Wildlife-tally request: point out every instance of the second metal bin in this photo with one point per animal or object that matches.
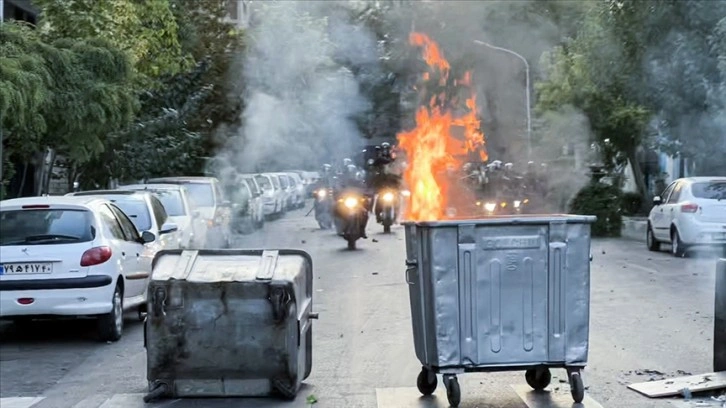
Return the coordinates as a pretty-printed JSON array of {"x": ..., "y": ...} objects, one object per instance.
[{"x": 497, "y": 294}]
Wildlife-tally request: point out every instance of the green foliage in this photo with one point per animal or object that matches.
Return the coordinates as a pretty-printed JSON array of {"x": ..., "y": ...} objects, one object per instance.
[
  {"x": 632, "y": 204},
  {"x": 603, "y": 201},
  {"x": 146, "y": 30}
]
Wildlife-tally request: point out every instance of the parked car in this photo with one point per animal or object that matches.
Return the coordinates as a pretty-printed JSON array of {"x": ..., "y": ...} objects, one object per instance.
[
  {"x": 298, "y": 189},
  {"x": 214, "y": 208},
  {"x": 237, "y": 191},
  {"x": 181, "y": 211},
  {"x": 71, "y": 256},
  {"x": 287, "y": 189},
  {"x": 146, "y": 213},
  {"x": 690, "y": 212},
  {"x": 272, "y": 196},
  {"x": 257, "y": 206}
]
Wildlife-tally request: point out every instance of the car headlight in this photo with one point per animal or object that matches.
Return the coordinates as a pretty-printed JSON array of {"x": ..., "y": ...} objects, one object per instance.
[
  {"x": 388, "y": 196},
  {"x": 490, "y": 207},
  {"x": 350, "y": 202},
  {"x": 321, "y": 193},
  {"x": 517, "y": 203}
]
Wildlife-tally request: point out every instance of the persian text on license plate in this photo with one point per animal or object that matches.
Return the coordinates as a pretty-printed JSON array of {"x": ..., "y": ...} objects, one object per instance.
[{"x": 26, "y": 268}]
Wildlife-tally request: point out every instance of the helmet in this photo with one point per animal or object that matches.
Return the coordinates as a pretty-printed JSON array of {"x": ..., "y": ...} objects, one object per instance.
[
  {"x": 351, "y": 168},
  {"x": 508, "y": 166},
  {"x": 347, "y": 162}
]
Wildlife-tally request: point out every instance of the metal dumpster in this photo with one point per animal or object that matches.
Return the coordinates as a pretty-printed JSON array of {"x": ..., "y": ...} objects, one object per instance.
[{"x": 499, "y": 294}]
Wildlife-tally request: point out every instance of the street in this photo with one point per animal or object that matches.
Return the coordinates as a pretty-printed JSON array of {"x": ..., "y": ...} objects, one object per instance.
[{"x": 649, "y": 311}]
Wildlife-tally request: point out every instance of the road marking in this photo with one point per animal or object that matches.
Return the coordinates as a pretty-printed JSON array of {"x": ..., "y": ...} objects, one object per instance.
[
  {"x": 551, "y": 399},
  {"x": 19, "y": 402}
]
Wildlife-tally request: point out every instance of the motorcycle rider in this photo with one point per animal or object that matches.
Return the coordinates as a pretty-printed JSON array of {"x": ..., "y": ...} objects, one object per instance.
[{"x": 352, "y": 181}]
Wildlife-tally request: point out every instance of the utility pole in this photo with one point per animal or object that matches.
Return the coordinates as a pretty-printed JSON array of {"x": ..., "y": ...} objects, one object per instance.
[
  {"x": 2, "y": 158},
  {"x": 527, "y": 96}
]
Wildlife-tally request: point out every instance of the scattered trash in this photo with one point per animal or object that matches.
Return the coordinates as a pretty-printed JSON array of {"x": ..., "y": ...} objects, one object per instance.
[
  {"x": 303, "y": 241},
  {"x": 311, "y": 399},
  {"x": 374, "y": 273},
  {"x": 374, "y": 240}
]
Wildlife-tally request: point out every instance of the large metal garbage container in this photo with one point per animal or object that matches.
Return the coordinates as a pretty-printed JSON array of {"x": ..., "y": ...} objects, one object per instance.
[{"x": 498, "y": 294}]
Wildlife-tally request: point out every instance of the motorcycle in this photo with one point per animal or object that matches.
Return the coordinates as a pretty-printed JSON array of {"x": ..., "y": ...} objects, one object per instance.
[
  {"x": 386, "y": 208},
  {"x": 351, "y": 215},
  {"x": 323, "y": 198}
]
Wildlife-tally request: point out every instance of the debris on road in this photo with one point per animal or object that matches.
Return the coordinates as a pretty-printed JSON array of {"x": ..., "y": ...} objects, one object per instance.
[
  {"x": 311, "y": 399},
  {"x": 685, "y": 385},
  {"x": 374, "y": 240}
]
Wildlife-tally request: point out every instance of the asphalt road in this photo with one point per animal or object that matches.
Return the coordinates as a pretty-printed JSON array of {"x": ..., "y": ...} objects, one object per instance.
[{"x": 649, "y": 311}]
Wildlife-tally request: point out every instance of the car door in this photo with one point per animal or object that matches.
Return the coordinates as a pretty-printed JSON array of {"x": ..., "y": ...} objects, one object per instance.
[
  {"x": 137, "y": 278},
  {"x": 670, "y": 209},
  {"x": 120, "y": 245},
  {"x": 170, "y": 240},
  {"x": 659, "y": 218}
]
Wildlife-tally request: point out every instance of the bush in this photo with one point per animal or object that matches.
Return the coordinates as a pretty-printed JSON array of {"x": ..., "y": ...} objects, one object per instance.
[
  {"x": 603, "y": 201},
  {"x": 632, "y": 204}
]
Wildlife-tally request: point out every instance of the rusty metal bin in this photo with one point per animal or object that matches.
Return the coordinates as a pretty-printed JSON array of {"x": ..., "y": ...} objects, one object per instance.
[{"x": 500, "y": 294}]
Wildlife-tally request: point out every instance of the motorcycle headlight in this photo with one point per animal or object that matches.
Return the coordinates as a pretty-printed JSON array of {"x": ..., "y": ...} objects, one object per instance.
[
  {"x": 517, "y": 203},
  {"x": 406, "y": 193},
  {"x": 321, "y": 193},
  {"x": 350, "y": 202},
  {"x": 490, "y": 207},
  {"x": 388, "y": 196}
]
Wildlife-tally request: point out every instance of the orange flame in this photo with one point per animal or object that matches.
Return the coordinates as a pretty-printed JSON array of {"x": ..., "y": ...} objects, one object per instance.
[{"x": 432, "y": 149}]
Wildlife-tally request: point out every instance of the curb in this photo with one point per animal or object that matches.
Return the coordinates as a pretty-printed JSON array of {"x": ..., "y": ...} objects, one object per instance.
[{"x": 634, "y": 228}]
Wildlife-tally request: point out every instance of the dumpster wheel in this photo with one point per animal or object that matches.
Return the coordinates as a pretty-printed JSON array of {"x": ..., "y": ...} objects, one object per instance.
[
  {"x": 577, "y": 388},
  {"x": 453, "y": 392},
  {"x": 426, "y": 381},
  {"x": 538, "y": 378}
]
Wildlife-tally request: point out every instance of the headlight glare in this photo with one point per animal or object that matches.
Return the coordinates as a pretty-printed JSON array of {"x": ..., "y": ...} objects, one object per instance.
[
  {"x": 350, "y": 202},
  {"x": 490, "y": 207}
]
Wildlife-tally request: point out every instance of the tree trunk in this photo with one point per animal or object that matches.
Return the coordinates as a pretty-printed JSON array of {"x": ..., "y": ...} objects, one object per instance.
[
  {"x": 22, "y": 179},
  {"x": 49, "y": 173},
  {"x": 638, "y": 177}
]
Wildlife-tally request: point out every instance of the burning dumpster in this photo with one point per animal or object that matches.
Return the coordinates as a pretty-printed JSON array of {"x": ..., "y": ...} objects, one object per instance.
[{"x": 504, "y": 293}]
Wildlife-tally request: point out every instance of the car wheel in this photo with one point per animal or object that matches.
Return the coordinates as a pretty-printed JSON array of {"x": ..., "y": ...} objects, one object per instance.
[
  {"x": 678, "y": 248},
  {"x": 111, "y": 325},
  {"x": 653, "y": 244}
]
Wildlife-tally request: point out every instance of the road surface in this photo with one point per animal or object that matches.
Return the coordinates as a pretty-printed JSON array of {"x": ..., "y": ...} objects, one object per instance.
[{"x": 649, "y": 311}]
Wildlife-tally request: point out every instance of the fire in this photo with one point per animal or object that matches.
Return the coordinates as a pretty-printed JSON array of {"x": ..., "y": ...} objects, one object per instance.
[{"x": 441, "y": 140}]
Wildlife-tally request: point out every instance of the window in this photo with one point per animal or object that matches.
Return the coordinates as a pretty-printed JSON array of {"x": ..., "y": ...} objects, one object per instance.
[
  {"x": 111, "y": 223},
  {"x": 45, "y": 226},
  {"x": 676, "y": 193},
  {"x": 283, "y": 182},
  {"x": 253, "y": 186},
  {"x": 201, "y": 193},
  {"x": 159, "y": 211},
  {"x": 714, "y": 190},
  {"x": 275, "y": 182},
  {"x": 667, "y": 192},
  {"x": 172, "y": 202},
  {"x": 136, "y": 209},
  {"x": 126, "y": 225},
  {"x": 264, "y": 182}
]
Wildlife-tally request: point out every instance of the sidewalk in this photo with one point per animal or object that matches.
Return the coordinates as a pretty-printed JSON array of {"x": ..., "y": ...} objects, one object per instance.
[{"x": 634, "y": 228}]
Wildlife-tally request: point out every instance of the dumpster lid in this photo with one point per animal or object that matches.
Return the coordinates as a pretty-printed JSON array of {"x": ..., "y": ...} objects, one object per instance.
[{"x": 522, "y": 219}]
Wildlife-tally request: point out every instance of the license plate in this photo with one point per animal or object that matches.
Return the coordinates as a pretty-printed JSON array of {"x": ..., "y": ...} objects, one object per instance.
[{"x": 26, "y": 268}]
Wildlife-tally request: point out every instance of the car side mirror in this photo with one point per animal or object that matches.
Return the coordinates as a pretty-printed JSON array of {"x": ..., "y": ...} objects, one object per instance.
[
  {"x": 657, "y": 200},
  {"x": 147, "y": 236},
  {"x": 168, "y": 227}
]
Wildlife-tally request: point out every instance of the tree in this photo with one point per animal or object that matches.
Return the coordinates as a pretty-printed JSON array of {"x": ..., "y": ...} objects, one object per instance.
[{"x": 146, "y": 30}]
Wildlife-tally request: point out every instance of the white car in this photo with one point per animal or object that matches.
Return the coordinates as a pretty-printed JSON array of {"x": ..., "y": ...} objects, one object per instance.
[
  {"x": 690, "y": 212},
  {"x": 272, "y": 196},
  {"x": 256, "y": 205},
  {"x": 298, "y": 189},
  {"x": 287, "y": 190},
  {"x": 71, "y": 256},
  {"x": 181, "y": 211},
  {"x": 145, "y": 211}
]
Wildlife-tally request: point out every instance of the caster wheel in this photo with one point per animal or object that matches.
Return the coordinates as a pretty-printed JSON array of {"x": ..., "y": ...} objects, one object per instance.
[
  {"x": 577, "y": 388},
  {"x": 426, "y": 382},
  {"x": 538, "y": 378},
  {"x": 453, "y": 392}
]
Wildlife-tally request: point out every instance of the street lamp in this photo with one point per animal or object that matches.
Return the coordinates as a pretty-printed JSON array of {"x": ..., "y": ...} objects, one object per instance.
[{"x": 526, "y": 67}]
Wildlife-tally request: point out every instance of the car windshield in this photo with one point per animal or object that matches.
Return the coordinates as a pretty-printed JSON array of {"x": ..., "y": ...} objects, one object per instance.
[
  {"x": 264, "y": 182},
  {"x": 714, "y": 190},
  {"x": 251, "y": 183},
  {"x": 172, "y": 202},
  {"x": 136, "y": 209},
  {"x": 201, "y": 193},
  {"x": 45, "y": 226}
]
